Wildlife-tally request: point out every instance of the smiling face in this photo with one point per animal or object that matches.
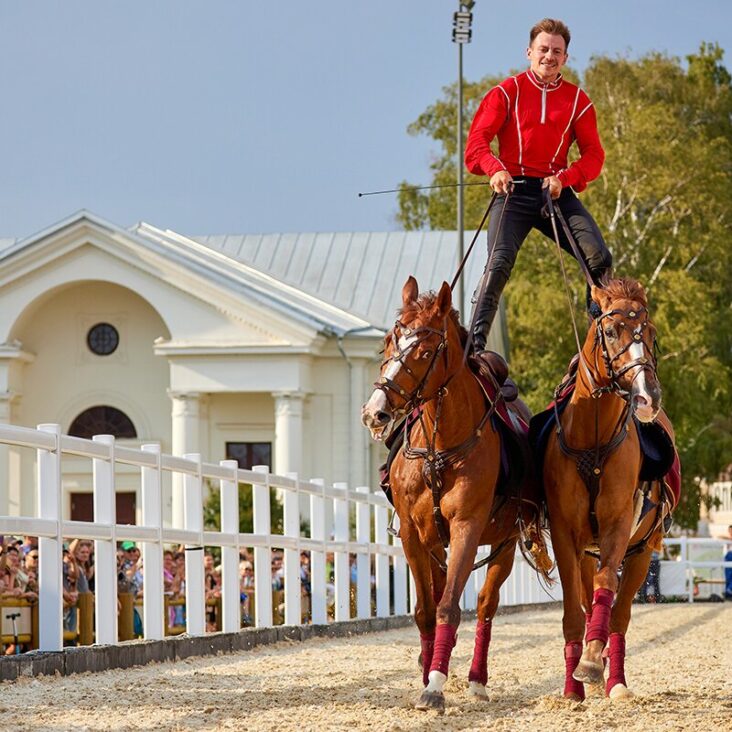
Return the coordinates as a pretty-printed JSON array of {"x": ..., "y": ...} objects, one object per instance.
[{"x": 547, "y": 55}]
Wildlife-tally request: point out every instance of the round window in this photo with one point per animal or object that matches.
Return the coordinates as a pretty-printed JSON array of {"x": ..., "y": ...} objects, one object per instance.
[{"x": 102, "y": 339}]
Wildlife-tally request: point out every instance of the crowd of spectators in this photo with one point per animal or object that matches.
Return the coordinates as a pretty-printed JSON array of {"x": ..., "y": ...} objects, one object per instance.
[{"x": 19, "y": 580}]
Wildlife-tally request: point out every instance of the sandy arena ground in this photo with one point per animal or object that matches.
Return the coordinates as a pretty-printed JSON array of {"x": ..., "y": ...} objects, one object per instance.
[{"x": 679, "y": 665}]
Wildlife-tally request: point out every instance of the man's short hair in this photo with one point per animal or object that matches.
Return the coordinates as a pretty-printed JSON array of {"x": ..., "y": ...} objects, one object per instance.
[{"x": 552, "y": 26}]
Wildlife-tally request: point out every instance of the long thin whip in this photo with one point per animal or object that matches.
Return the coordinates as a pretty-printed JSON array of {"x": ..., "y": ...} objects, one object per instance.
[{"x": 423, "y": 188}]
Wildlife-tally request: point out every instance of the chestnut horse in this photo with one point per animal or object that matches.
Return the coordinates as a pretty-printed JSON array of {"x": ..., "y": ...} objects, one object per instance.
[
  {"x": 424, "y": 368},
  {"x": 591, "y": 477}
]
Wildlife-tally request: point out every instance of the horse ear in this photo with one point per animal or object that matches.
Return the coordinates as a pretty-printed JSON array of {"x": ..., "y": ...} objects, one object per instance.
[
  {"x": 599, "y": 300},
  {"x": 410, "y": 291},
  {"x": 444, "y": 299}
]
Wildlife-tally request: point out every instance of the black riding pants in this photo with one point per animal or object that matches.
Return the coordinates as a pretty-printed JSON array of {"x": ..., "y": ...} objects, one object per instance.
[
  {"x": 524, "y": 213},
  {"x": 521, "y": 214}
]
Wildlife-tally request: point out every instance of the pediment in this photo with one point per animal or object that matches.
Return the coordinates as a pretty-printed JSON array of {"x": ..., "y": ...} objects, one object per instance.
[{"x": 208, "y": 302}]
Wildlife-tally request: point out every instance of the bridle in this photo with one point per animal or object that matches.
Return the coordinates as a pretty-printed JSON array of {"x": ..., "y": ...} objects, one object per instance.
[
  {"x": 416, "y": 397},
  {"x": 647, "y": 362},
  {"x": 590, "y": 462},
  {"x": 435, "y": 461}
]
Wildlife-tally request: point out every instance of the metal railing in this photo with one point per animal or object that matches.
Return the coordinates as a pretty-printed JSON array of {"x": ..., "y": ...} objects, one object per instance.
[{"x": 330, "y": 512}]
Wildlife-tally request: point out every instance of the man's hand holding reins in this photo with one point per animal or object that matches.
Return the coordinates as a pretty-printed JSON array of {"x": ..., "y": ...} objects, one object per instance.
[
  {"x": 554, "y": 185},
  {"x": 502, "y": 182}
]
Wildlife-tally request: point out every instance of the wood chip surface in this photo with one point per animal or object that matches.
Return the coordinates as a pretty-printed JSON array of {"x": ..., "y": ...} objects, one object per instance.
[{"x": 679, "y": 665}]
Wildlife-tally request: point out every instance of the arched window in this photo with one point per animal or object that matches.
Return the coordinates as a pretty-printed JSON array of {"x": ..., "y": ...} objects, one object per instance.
[{"x": 102, "y": 420}]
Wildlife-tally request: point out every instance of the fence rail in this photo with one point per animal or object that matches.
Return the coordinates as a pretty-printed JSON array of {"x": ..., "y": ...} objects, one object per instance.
[{"x": 382, "y": 582}]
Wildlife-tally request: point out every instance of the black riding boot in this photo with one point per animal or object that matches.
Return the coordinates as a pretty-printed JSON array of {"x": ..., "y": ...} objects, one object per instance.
[{"x": 487, "y": 308}]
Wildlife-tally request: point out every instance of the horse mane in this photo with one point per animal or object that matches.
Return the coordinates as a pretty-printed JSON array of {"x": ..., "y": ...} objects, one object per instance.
[
  {"x": 625, "y": 289},
  {"x": 424, "y": 303}
]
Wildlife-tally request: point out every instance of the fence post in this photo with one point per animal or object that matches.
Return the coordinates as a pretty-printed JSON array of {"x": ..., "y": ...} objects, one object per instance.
[
  {"x": 230, "y": 592},
  {"x": 262, "y": 554},
  {"x": 293, "y": 592},
  {"x": 382, "y": 561},
  {"x": 193, "y": 521},
  {"x": 105, "y": 550},
  {"x": 341, "y": 558},
  {"x": 363, "y": 561},
  {"x": 318, "y": 591},
  {"x": 400, "y": 580},
  {"x": 152, "y": 551},
  {"x": 50, "y": 571},
  {"x": 684, "y": 545}
]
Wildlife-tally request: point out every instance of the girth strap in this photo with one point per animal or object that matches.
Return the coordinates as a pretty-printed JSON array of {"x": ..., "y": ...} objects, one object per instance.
[{"x": 591, "y": 461}]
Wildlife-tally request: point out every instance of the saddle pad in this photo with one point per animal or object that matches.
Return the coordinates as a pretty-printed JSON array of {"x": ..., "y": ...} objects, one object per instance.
[{"x": 660, "y": 458}]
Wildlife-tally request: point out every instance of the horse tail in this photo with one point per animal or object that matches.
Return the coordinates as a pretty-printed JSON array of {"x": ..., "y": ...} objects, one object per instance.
[{"x": 533, "y": 546}]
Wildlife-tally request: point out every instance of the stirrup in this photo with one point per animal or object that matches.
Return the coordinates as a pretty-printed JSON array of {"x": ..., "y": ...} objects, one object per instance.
[{"x": 390, "y": 528}]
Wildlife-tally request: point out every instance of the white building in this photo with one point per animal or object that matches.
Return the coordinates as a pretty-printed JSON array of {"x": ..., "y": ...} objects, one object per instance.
[{"x": 261, "y": 348}]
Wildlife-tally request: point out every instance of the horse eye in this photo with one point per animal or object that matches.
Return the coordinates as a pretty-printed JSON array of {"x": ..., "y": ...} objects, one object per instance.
[
  {"x": 426, "y": 355},
  {"x": 610, "y": 331}
]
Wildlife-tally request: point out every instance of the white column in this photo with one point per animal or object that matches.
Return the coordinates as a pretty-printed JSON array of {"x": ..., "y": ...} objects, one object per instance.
[
  {"x": 288, "y": 432},
  {"x": 359, "y": 437},
  {"x": 185, "y": 432}
]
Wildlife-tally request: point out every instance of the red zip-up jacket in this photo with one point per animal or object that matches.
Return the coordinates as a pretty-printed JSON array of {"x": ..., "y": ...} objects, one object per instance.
[{"x": 536, "y": 123}]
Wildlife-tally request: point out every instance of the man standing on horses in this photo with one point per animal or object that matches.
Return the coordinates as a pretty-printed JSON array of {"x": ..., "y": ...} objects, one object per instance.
[{"x": 536, "y": 116}]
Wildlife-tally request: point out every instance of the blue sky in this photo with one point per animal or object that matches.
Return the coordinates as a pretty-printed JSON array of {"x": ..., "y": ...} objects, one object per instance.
[{"x": 235, "y": 116}]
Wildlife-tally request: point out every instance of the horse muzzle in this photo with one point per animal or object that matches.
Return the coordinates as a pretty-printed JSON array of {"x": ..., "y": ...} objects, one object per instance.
[
  {"x": 377, "y": 417},
  {"x": 645, "y": 401}
]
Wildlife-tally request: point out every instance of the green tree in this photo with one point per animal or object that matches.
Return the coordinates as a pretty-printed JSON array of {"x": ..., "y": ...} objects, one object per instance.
[
  {"x": 664, "y": 203},
  {"x": 212, "y": 509}
]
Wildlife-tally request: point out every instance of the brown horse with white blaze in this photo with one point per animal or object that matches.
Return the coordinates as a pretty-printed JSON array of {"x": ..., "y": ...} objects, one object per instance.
[
  {"x": 451, "y": 449},
  {"x": 591, "y": 477}
]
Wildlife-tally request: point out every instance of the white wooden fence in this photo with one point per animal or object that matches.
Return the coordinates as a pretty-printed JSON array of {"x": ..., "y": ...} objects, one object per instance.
[
  {"x": 330, "y": 532},
  {"x": 699, "y": 568}
]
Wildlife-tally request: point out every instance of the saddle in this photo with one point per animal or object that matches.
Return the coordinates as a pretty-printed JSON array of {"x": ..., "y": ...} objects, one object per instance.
[
  {"x": 660, "y": 459},
  {"x": 517, "y": 476}
]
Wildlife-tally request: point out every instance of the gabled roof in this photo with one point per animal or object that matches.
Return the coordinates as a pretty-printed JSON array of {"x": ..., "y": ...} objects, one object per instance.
[
  {"x": 337, "y": 283},
  {"x": 218, "y": 268},
  {"x": 361, "y": 272}
]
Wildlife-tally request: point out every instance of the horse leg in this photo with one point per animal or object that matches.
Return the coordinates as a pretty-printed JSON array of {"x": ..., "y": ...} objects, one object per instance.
[
  {"x": 573, "y": 620},
  {"x": 463, "y": 547},
  {"x": 612, "y": 549},
  {"x": 420, "y": 563},
  {"x": 498, "y": 571},
  {"x": 634, "y": 575}
]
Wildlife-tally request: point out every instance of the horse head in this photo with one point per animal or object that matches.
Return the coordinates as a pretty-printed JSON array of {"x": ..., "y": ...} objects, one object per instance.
[
  {"x": 622, "y": 341},
  {"x": 417, "y": 362}
]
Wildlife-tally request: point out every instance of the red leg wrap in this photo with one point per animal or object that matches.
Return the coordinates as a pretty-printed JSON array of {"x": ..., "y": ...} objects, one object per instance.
[
  {"x": 599, "y": 629},
  {"x": 617, "y": 661},
  {"x": 479, "y": 667},
  {"x": 445, "y": 639},
  {"x": 572, "y": 655},
  {"x": 428, "y": 649}
]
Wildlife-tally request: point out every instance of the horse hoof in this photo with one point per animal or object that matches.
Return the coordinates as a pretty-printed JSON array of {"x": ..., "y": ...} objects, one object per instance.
[
  {"x": 588, "y": 672},
  {"x": 431, "y": 701},
  {"x": 620, "y": 691},
  {"x": 574, "y": 698},
  {"x": 477, "y": 689}
]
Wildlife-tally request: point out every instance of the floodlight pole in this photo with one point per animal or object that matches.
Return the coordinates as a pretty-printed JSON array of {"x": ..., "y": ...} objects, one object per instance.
[{"x": 461, "y": 33}]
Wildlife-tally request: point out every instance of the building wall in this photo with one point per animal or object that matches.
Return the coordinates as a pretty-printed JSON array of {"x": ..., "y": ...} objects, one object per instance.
[{"x": 65, "y": 377}]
